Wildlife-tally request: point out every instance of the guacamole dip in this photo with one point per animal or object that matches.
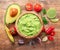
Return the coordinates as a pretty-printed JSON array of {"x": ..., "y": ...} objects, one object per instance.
[{"x": 29, "y": 24}]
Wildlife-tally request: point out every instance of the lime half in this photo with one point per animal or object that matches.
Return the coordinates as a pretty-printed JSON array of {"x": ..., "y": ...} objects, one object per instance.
[{"x": 51, "y": 13}]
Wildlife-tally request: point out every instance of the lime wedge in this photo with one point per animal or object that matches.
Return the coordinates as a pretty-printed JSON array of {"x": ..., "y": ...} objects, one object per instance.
[
  {"x": 51, "y": 13},
  {"x": 54, "y": 20}
]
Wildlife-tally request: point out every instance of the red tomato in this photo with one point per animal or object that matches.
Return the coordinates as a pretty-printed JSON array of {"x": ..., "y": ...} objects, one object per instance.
[
  {"x": 29, "y": 6},
  {"x": 13, "y": 30},
  {"x": 53, "y": 33},
  {"x": 49, "y": 30},
  {"x": 50, "y": 38},
  {"x": 37, "y": 7}
]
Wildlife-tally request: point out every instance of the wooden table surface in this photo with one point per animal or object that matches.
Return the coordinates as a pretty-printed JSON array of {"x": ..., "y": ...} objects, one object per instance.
[{"x": 5, "y": 44}]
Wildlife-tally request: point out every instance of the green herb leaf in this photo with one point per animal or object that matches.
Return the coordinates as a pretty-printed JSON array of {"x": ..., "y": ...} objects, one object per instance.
[
  {"x": 44, "y": 11},
  {"x": 44, "y": 20}
]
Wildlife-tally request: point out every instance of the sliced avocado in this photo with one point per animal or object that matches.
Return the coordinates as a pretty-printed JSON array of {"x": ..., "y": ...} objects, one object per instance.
[
  {"x": 8, "y": 18},
  {"x": 9, "y": 34}
]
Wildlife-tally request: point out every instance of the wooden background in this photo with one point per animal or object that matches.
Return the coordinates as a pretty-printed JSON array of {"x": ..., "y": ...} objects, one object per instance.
[{"x": 5, "y": 44}]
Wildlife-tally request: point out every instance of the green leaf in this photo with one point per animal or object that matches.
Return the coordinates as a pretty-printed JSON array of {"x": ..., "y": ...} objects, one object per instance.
[
  {"x": 44, "y": 20},
  {"x": 44, "y": 11}
]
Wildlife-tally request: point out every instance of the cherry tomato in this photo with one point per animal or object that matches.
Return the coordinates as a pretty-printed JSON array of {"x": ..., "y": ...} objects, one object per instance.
[
  {"x": 13, "y": 12},
  {"x": 53, "y": 33},
  {"x": 37, "y": 7},
  {"x": 49, "y": 30},
  {"x": 13, "y": 30},
  {"x": 50, "y": 38},
  {"x": 29, "y": 6}
]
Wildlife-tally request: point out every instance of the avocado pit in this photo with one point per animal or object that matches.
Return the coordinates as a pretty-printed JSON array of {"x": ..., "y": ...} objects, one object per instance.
[{"x": 13, "y": 12}]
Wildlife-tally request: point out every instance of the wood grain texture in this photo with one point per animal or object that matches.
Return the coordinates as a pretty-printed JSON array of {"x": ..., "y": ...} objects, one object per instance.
[{"x": 5, "y": 44}]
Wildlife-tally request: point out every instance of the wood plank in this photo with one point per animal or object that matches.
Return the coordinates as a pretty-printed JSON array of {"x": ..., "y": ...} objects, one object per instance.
[{"x": 5, "y": 44}]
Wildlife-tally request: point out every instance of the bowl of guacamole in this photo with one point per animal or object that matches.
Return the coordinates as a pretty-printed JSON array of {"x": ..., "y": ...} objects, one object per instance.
[{"x": 29, "y": 25}]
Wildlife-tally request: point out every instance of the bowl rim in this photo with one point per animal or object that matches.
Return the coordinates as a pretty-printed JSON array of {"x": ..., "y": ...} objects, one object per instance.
[{"x": 22, "y": 35}]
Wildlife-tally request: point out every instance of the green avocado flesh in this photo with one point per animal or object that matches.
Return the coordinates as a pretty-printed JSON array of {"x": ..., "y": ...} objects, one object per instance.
[
  {"x": 29, "y": 24},
  {"x": 8, "y": 18}
]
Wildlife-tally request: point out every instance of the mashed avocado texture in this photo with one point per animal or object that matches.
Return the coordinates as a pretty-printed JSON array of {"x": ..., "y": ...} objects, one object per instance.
[{"x": 29, "y": 24}]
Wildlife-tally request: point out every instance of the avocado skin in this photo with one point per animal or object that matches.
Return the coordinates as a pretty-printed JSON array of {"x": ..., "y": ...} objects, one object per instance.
[{"x": 7, "y": 10}]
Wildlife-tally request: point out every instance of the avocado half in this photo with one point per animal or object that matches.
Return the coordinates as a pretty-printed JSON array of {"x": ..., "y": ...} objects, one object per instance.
[
  {"x": 22, "y": 34},
  {"x": 8, "y": 19}
]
